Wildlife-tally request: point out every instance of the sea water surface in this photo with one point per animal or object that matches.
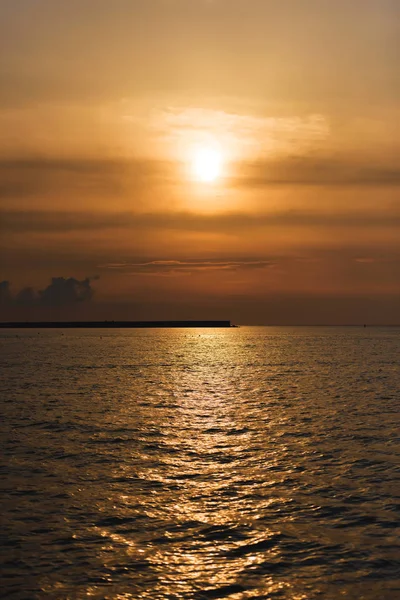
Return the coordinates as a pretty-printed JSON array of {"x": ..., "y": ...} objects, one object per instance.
[{"x": 258, "y": 463}]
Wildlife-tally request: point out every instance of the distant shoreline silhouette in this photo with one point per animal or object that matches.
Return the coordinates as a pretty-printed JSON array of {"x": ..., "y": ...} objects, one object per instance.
[{"x": 112, "y": 324}]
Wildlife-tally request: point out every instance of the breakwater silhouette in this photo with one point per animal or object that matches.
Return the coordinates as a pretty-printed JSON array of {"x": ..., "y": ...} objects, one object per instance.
[{"x": 112, "y": 324}]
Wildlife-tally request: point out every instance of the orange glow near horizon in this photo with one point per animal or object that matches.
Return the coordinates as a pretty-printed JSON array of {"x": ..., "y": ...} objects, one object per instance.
[{"x": 201, "y": 154}]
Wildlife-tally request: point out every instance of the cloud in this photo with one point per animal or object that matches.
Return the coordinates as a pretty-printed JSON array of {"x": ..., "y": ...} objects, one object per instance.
[
  {"x": 63, "y": 291},
  {"x": 317, "y": 171},
  {"x": 30, "y": 177},
  {"x": 26, "y": 297},
  {"x": 177, "y": 267},
  {"x": 237, "y": 134},
  {"x": 60, "y": 292},
  {"x": 122, "y": 178},
  {"x": 229, "y": 222},
  {"x": 5, "y": 292}
]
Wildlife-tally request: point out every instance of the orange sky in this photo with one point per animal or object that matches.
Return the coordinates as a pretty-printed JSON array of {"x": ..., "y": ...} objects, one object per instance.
[{"x": 104, "y": 108}]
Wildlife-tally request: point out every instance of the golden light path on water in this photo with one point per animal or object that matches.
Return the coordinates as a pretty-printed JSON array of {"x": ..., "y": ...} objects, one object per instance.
[
  {"x": 189, "y": 465},
  {"x": 208, "y": 448}
]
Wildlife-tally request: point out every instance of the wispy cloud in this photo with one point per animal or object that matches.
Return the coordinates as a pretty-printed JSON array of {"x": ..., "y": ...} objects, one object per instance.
[
  {"x": 232, "y": 222},
  {"x": 80, "y": 176},
  {"x": 314, "y": 170},
  {"x": 238, "y": 135},
  {"x": 177, "y": 267}
]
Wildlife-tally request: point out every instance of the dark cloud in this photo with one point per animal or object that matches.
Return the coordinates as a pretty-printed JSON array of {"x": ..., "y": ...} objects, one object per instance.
[
  {"x": 32, "y": 176},
  {"x": 62, "y": 222},
  {"x": 60, "y": 292},
  {"x": 26, "y": 177},
  {"x": 78, "y": 166},
  {"x": 315, "y": 171},
  {"x": 5, "y": 292},
  {"x": 26, "y": 297},
  {"x": 63, "y": 291}
]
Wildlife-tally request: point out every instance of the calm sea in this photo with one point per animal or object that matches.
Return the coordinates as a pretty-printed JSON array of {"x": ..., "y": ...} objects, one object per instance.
[{"x": 200, "y": 464}]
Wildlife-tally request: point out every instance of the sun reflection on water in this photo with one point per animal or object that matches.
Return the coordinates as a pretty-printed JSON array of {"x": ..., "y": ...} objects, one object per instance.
[
  {"x": 195, "y": 465},
  {"x": 206, "y": 478}
]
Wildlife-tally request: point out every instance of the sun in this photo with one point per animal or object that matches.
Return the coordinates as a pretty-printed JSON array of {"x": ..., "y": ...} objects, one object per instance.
[{"x": 207, "y": 165}]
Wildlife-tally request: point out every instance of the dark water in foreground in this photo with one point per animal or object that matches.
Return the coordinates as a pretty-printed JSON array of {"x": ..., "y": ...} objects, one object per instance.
[{"x": 187, "y": 464}]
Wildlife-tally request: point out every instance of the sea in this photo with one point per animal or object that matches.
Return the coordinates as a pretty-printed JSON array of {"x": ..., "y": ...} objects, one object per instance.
[{"x": 199, "y": 464}]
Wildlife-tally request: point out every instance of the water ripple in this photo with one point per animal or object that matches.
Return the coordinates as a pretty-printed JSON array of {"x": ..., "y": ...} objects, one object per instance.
[{"x": 253, "y": 463}]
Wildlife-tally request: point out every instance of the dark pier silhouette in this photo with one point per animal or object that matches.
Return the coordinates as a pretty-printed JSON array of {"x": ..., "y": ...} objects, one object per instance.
[{"x": 112, "y": 324}]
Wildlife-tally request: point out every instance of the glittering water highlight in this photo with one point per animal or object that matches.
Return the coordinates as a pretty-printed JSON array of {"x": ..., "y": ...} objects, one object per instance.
[{"x": 186, "y": 464}]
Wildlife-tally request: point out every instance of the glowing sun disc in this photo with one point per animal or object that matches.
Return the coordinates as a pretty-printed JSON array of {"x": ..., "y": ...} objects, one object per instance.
[{"x": 207, "y": 165}]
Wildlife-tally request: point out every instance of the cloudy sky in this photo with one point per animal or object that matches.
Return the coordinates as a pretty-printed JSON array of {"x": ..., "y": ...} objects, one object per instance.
[{"x": 200, "y": 159}]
